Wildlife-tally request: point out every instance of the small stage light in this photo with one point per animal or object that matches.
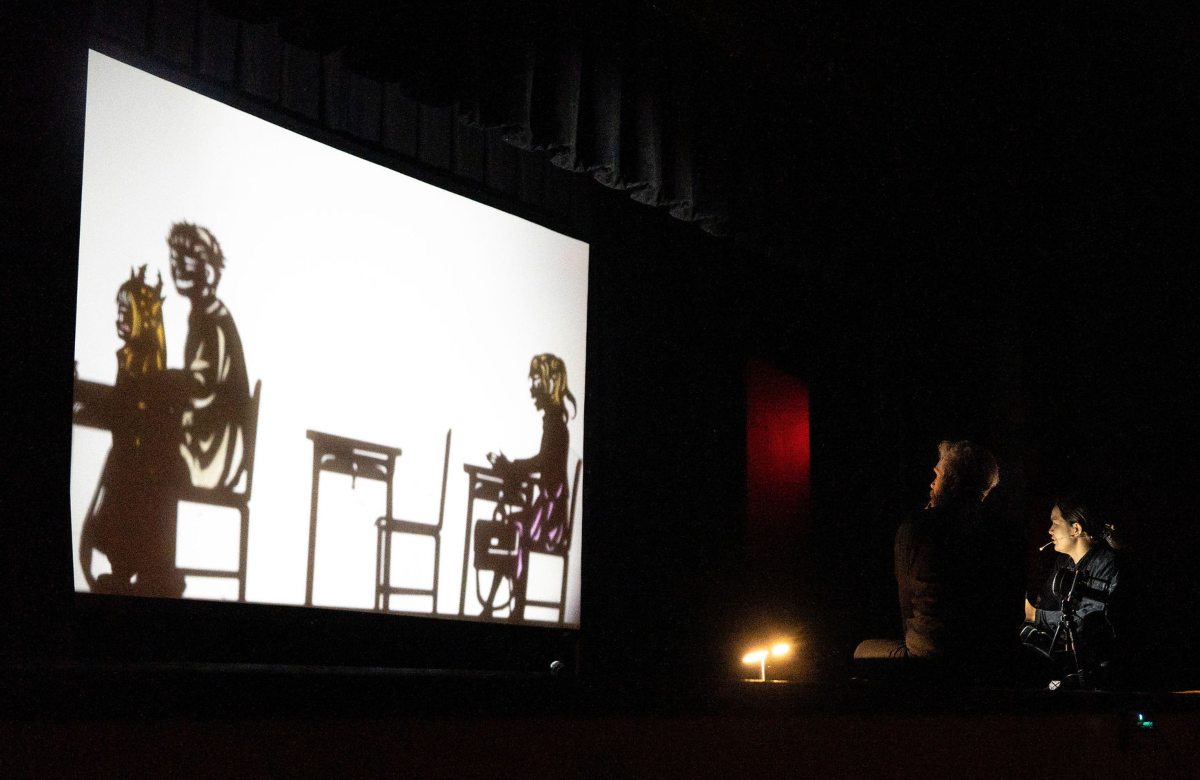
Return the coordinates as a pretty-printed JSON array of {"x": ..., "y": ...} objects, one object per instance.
[{"x": 759, "y": 656}]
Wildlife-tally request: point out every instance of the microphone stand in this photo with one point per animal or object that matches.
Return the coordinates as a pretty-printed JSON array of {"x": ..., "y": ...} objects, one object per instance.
[{"x": 1067, "y": 621}]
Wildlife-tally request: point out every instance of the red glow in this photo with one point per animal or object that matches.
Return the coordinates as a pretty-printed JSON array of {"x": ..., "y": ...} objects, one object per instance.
[{"x": 778, "y": 479}]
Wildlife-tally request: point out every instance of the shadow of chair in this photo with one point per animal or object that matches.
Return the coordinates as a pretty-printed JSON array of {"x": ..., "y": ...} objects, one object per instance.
[
  {"x": 233, "y": 497},
  {"x": 87, "y": 534},
  {"x": 563, "y": 553},
  {"x": 386, "y": 527}
]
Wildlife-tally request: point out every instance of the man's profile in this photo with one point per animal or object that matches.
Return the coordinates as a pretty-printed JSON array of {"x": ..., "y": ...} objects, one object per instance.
[
  {"x": 957, "y": 573},
  {"x": 216, "y": 386}
]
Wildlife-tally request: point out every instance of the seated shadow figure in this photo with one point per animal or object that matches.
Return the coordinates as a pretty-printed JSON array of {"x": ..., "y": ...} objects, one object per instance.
[
  {"x": 959, "y": 573},
  {"x": 134, "y": 513},
  {"x": 541, "y": 526},
  {"x": 213, "y": 380},
  {"x": 1073, "y": 622}
]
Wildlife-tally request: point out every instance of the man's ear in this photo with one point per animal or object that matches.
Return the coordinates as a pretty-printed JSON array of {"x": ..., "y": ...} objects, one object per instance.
[{"x": 1076, "y": 529}]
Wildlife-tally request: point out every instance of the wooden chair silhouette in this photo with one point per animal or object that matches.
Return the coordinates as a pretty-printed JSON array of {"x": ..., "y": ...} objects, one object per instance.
[
  {"x": 563, "y": 553},
  {"x": 233, "y": 497},
  {"x": 388, "y": 526}
]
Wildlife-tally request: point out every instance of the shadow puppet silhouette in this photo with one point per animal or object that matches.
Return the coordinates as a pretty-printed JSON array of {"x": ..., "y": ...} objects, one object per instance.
[
  {"x": 540, "y": 525},
  {"x": 133, "y": 515},
  {"x": 213, "y": 380},
  {"x": 174, "y": 431}
]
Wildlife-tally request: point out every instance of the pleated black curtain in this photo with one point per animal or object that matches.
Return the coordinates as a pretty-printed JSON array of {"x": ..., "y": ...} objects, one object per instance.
[{"x": 517, "y": 96}]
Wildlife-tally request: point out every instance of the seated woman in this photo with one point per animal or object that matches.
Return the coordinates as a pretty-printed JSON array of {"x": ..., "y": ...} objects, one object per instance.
[
  {"x": 541, "y": 527},
  {"x": 1084, "y": 582}
]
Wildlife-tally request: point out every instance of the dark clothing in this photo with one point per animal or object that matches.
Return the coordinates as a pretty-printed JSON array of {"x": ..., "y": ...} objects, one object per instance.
[
  {"x": 1095, "y": 587},
  {"x": 551, "y": 460},
  {"x": 219, "y": 394},
  {"x": 959, "y": 578},
  {"x": 546, "y": 528},
  {"x": 134, "y": 521},
  {"x": 542, "y": 527},
  {"x": 143, "y": 414}
]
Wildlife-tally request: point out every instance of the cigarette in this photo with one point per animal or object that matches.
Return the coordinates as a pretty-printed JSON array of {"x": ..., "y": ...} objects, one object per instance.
[{"x": 1044, "y": 546}]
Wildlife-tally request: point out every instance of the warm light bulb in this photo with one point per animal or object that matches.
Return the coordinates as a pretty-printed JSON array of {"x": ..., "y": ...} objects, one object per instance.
[
  {"x": 780, "y": 648},
  {"x": 754, "y": 656}
]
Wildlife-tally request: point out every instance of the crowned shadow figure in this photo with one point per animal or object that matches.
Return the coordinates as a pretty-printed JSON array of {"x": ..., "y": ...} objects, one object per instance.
[{"x": 133, "y": 521}]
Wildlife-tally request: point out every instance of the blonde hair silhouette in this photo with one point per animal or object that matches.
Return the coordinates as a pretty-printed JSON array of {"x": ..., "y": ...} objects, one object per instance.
[
  {"x": 553, "y": 373},
  {"x": 145, "y": 348}
]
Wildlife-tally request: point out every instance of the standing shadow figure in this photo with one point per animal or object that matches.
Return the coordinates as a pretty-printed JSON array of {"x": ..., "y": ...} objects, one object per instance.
[
  {"x": 132, "y": 517},
  {"x": 540, "y": 525}
]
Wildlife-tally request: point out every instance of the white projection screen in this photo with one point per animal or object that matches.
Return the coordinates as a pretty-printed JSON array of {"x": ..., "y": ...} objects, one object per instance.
[{"x": 378, "y": 312}]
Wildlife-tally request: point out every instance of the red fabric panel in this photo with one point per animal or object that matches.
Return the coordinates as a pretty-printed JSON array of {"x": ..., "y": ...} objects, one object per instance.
[{"x": 778, "y": 476}]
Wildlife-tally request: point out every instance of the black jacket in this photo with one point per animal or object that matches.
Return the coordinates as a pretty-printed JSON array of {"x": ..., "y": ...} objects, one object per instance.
[
  {"x": 960, "y": 581},
  {"x": 1096, "y": 584}
]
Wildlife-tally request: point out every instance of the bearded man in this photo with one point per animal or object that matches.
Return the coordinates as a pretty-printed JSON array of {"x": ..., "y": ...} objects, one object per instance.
[{"x": 958, "y": 574}]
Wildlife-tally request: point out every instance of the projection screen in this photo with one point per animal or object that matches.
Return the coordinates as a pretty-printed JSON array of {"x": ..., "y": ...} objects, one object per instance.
[{"x": 397, "y": 334}]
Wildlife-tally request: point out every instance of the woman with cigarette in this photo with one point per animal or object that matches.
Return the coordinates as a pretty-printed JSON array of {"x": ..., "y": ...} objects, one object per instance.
[
  {"x": 1086, "y": 547},
  {"x": 1086, "y": 574}
]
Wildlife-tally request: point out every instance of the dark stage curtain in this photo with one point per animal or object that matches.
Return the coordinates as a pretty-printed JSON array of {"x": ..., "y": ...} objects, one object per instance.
[{"x": 516, "y": 96}]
